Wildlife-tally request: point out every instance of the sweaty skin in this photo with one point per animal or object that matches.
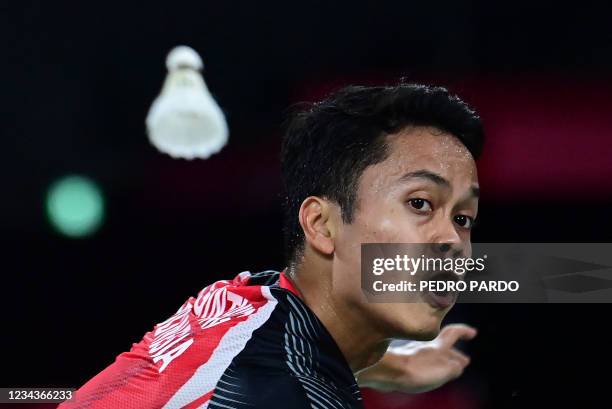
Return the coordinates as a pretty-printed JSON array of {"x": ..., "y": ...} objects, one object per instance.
[{"x": 397, "y": 201}]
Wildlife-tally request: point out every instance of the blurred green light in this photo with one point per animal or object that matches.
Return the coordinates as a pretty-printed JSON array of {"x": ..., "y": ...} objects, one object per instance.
[{"x": 75, "y": 206}]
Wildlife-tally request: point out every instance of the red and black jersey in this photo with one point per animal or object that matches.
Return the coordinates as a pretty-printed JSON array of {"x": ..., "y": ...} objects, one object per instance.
[{"x": 246, "y": 343}]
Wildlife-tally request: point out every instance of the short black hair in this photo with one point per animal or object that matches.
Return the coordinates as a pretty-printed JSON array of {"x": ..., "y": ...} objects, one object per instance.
[{"x": 328, "y": 145}]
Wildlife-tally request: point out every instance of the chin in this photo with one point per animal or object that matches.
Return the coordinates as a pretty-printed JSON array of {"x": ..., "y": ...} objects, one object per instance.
[
  {"x": 424, "y": 328},
  {"x": 415, "y": 321},
  {"x": 424, "y": 334}
]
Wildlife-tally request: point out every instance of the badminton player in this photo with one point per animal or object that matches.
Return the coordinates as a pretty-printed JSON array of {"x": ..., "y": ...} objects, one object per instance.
[{"x": 367, "y": 164}]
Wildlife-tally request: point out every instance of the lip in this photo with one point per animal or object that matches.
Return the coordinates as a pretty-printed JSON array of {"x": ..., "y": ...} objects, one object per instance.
[{"x": 439, "y": 300}]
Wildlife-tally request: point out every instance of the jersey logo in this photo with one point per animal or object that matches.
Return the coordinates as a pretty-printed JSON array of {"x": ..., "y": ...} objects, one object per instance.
[{"x": 213, "y": 306}]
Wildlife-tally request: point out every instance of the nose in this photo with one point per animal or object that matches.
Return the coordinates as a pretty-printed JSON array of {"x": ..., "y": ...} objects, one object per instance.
[
  {"x": 447, "y": 242},
  {"x": 444, "y": 247}
]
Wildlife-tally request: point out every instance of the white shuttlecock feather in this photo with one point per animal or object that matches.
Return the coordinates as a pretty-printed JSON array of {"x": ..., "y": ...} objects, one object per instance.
[{"x": 184, "y": 120}]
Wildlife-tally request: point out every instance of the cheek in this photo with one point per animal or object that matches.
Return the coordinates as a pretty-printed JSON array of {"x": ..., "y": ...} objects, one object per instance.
[
  {"x": 347, "y": 247},
  {"x": 468, "y": 248},
  {"x": 396, "y": 226},
  {"x": 388, "y": 229},
  {"x": 362, "y": 230},
  {"x": 375, "y": 230},
  {"x": 389, "y": 223}
]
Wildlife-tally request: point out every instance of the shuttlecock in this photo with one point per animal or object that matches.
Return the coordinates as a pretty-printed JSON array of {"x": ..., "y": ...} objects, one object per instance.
[{"x": 184, "y": 120}]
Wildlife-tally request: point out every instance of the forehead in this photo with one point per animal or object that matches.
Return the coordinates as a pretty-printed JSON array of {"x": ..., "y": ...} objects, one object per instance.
[{"x": 424, "y": 148}]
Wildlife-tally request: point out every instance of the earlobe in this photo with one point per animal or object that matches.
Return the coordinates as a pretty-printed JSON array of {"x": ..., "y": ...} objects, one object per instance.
[{"x": 316, "y": 223}]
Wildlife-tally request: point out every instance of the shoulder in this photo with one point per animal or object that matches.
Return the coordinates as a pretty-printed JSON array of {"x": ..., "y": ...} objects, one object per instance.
[{"x": 255, "y": 388}]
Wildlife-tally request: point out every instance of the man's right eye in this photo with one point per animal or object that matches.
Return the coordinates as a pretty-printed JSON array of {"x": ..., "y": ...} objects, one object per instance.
[{"x": 421, "y": 205}]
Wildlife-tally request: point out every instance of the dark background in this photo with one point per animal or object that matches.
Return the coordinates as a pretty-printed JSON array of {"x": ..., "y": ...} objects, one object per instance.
[{"x": 76, "y": 82}]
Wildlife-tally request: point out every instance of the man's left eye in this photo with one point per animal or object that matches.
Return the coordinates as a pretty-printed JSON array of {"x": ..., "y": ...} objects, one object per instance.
[{"x": 464, "y": 221}]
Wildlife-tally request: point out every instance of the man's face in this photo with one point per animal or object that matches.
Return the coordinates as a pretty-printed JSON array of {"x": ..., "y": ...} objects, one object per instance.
[{"x": 424, "y": 192}]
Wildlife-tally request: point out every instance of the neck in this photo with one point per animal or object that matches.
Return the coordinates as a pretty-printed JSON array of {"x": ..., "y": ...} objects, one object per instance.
[{"x": 361, "y": 343}]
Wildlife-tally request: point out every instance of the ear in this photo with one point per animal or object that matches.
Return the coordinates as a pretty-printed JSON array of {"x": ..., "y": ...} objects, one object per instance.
[{"x": 317, "y": 224}]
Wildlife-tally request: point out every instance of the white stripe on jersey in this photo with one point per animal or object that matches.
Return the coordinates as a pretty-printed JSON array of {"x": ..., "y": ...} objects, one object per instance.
[{"x": 205, "y": 378}]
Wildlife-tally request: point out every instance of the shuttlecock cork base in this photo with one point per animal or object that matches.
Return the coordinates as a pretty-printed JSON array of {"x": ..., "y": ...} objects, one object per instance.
[{"x": 184, "y": 120}]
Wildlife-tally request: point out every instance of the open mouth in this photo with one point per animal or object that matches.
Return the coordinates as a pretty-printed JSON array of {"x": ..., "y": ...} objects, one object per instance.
[{"x": 444, "y": 296}]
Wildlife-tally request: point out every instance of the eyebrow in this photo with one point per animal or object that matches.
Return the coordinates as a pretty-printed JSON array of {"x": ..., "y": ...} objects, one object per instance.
[
  {"x": 435, "y": 178},
  {"x": 425, "y": 174}
]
